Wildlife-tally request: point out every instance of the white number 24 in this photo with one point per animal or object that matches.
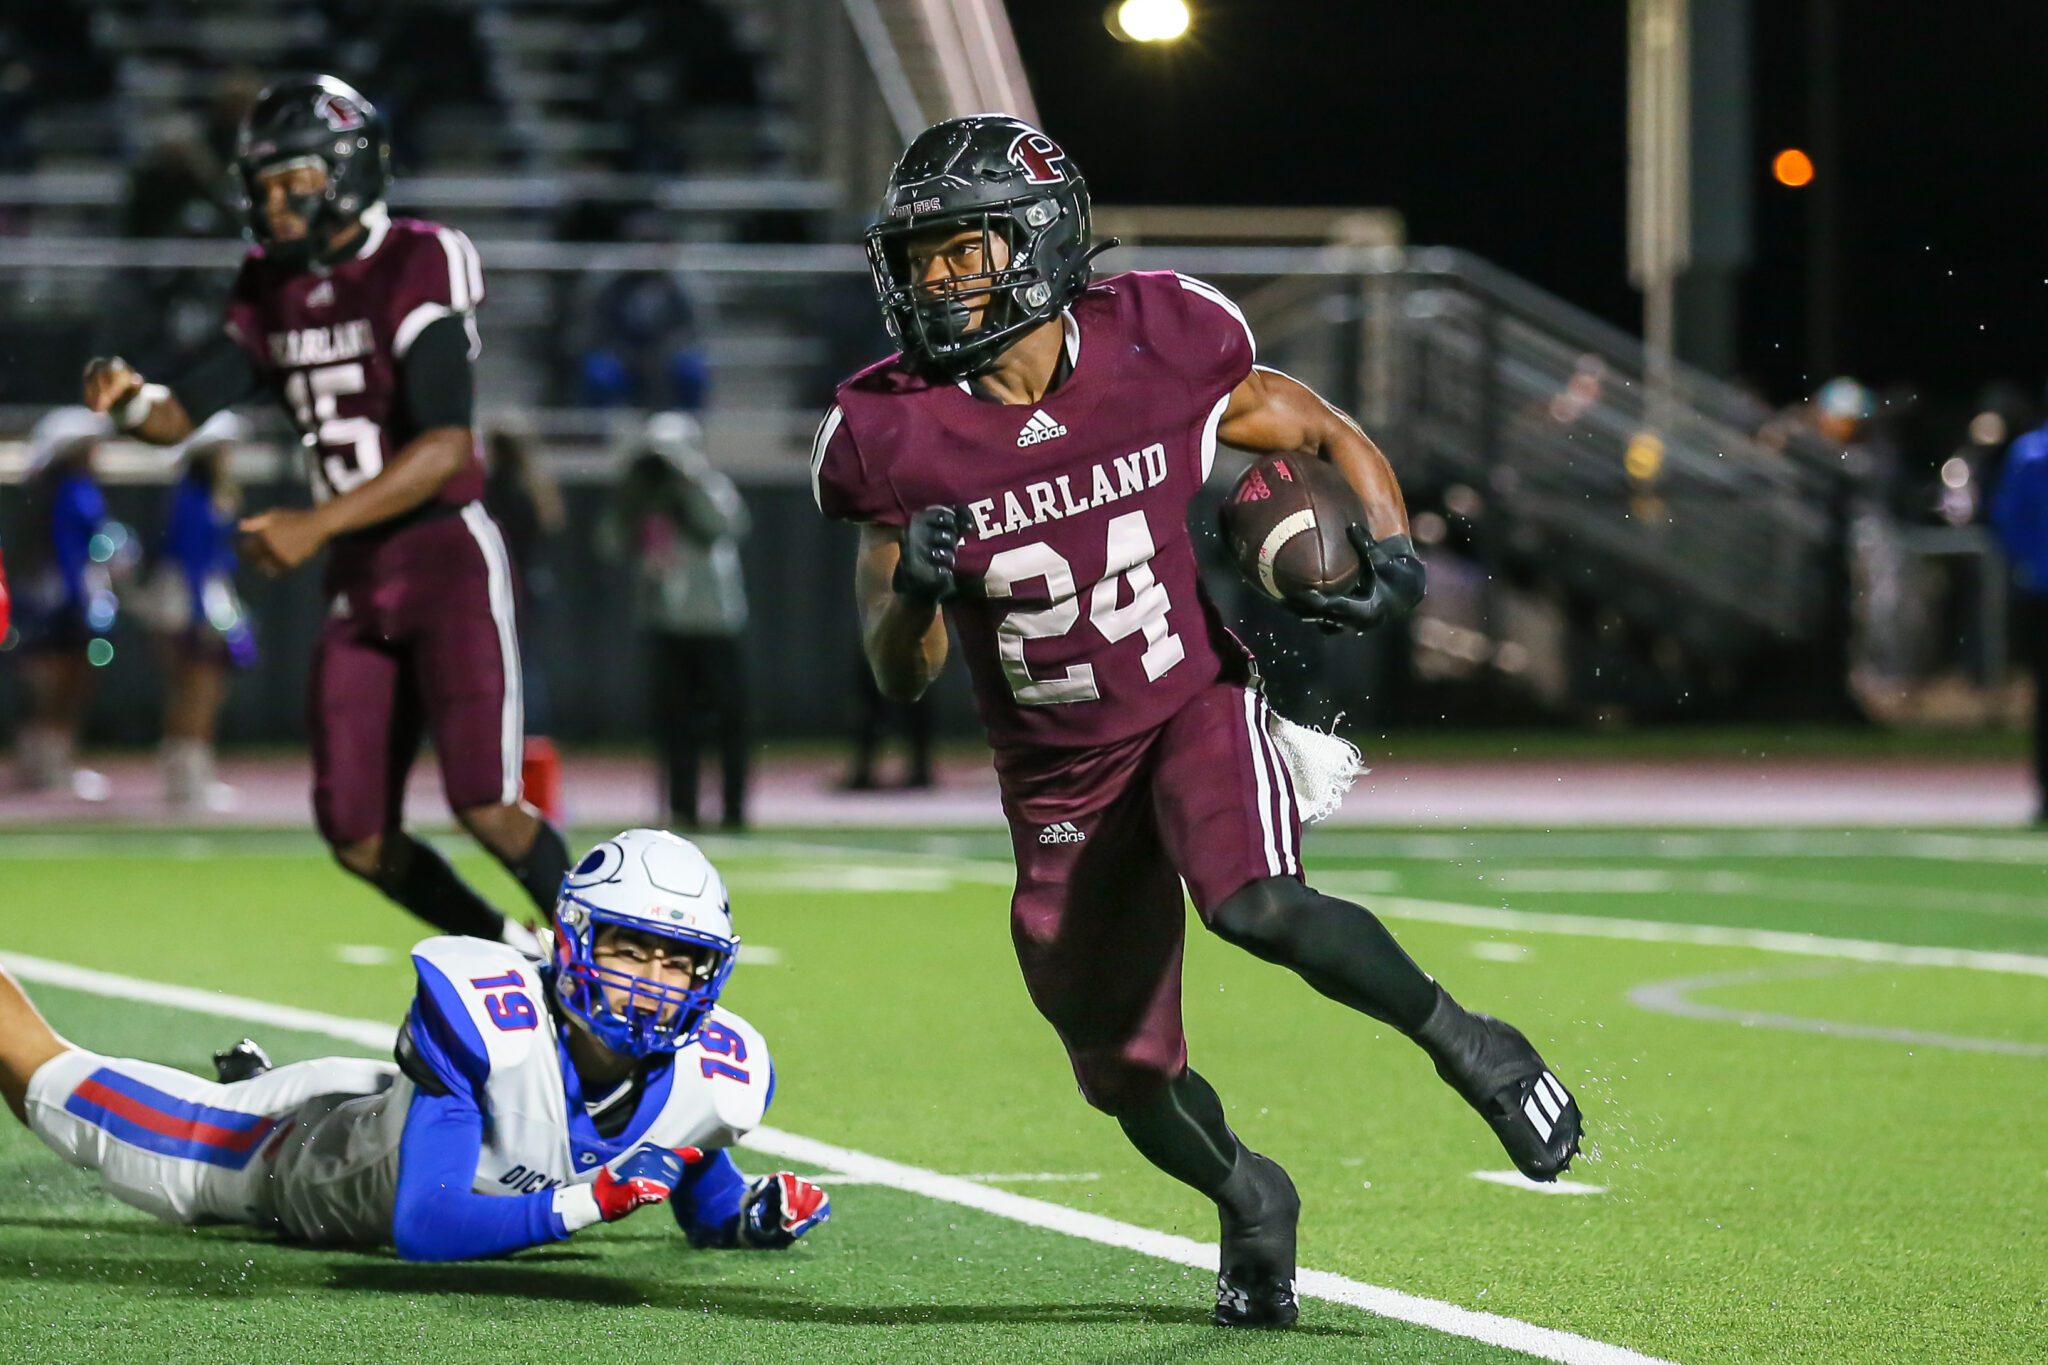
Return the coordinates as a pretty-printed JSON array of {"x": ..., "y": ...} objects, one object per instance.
[{"x": 1128, "y": 569}]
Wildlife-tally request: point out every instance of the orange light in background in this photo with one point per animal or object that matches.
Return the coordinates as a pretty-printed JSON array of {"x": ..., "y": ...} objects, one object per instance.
[{"x": 1792, "y": 168}]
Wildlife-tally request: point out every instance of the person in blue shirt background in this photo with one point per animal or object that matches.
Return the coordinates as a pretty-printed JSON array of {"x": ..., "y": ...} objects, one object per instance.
[
  {"x": 64, "y": 596},
  {"x": 2019, "y": 510},
  {"x": 199, "y": 620}
]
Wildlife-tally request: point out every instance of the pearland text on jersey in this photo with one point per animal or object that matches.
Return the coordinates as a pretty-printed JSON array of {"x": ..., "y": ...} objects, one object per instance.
[{"x": 1054, "y": 499}]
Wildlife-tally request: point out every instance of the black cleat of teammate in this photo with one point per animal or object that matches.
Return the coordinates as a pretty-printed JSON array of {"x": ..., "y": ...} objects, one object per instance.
[
  {"x": 1501, "y": 1075},
  {"x": 245, "y": 1061},
  {"x": 1255, "y": 1273}
]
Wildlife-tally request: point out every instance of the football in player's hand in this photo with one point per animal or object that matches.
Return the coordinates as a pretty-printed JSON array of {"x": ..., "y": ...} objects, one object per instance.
[{"x": 1285, "y": 523}]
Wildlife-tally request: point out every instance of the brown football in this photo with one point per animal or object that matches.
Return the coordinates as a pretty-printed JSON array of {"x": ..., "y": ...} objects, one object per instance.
[{"x": 1285, "y": 523}]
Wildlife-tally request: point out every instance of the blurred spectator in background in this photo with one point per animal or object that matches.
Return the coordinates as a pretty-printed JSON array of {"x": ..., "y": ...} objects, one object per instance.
[
  {"x": 192, "y": 607},
  {"x": 632, "y": 338},
  {"x": 914, "y": 720},
  {"x": 64, "y": 596},
  {"x": 523, "y": 498},
  {"x": 2020, "y": 512},
  {"x": 679, "y": 522}
]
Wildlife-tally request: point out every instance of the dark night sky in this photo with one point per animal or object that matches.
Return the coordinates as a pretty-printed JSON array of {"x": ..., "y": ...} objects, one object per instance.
[{"x": 1499, "y": 127}]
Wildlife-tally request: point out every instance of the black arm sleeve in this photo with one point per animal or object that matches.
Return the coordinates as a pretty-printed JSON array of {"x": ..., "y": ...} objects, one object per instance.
[
  {"x": 440, "y": 391},
  {"x": 220, "y": 377}
]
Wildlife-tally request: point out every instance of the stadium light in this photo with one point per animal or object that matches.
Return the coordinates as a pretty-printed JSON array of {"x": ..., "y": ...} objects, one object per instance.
[
  {"x": 1148, "y": 21},
  {"x": 1792, "y": 168}
]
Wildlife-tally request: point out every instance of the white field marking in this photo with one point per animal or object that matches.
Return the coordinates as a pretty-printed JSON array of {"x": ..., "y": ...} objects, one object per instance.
[
  {"x": 1624, "y": 880},
  {"x": 1515, "y": 1180},
  {"x": 2017, "y": 848},
  {"x": 831, "y": 1178},
  {"x": 362, "y": 1032},
  {"x": 1491, "y": 950},
  {"x": 362, "y": 954},
  {"x": 832, "y": 878},
  {"x": 759, "y": 955},
  {"x": 1675, "y": 998},
  {"x": 1649, "y": 880},
  {"x": 1542, "y": 1342},
  {"x": 1701, "y": 935},
  {"x": 1539, "y": 922},
  {"x": 1545, "y": 1343}
]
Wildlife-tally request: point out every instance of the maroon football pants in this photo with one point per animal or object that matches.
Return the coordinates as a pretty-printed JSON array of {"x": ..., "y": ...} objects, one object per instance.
[
  {"x": 420, "y": 641},
  {"x": 1104, "y": 838}
]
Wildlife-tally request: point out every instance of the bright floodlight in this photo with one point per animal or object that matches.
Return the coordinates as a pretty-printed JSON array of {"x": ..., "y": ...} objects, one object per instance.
[{"x": 1152, "y": 21}]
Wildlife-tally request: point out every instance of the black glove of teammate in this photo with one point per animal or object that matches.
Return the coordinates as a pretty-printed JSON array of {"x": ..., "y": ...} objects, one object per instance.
[
  {"x": 924, "y": 573},
  {"x": 1388, "y": 590}
]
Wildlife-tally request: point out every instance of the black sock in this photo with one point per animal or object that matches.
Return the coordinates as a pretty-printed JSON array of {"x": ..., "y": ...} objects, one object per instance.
[
  {"x": 1184, "y": 1134},
  {"x": 541, "y": 871},
  {"x": 419, "y": 878},
  {"x": 1339, "y": 948}
]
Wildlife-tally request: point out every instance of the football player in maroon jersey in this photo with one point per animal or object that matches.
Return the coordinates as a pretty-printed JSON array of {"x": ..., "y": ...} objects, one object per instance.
[
  {"x": 1027, "y": 460},
  {"x": 363, "y": 326}
]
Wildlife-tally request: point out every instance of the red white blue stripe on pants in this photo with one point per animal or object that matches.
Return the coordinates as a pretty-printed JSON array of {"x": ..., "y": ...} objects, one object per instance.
[{"x": 145, "y": 1117}]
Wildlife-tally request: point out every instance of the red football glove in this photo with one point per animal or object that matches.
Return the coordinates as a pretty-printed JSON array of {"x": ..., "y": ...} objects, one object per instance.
[
  {"x": 648, "y": 1176},
  {"x": 3, "y": 600},
  {"x": 779, "y": 1209}
]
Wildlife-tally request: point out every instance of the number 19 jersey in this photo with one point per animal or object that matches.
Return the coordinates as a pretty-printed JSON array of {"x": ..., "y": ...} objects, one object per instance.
[{"x": 1081, "y": 613}]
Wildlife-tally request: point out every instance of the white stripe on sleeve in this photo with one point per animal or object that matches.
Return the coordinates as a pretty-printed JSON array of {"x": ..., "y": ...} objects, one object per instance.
[
  {"x": 460, "y": 297},
  {"x": 1204, "y": 289},
  {"x": 827, "y": 429}
]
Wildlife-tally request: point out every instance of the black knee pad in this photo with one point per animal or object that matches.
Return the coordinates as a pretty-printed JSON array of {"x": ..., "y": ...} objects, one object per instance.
[{"x": 1258, "y": 915}]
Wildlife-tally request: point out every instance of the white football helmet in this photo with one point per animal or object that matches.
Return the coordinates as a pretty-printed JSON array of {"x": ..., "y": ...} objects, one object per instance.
[{"x": 659, "y": 885}]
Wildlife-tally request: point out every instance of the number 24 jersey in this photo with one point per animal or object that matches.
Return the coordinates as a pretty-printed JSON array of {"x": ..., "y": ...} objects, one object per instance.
[{"x": 1081, "y": 614}]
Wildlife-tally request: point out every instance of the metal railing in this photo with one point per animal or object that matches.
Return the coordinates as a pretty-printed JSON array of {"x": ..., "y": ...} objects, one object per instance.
[{"x": 1527, "y": 414}]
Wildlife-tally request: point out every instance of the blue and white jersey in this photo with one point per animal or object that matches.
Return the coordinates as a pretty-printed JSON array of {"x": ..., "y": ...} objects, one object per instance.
[{"x": 462, "y": 1154}]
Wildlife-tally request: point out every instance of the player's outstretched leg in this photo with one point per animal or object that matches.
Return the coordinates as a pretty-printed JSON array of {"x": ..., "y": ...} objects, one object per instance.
[
  {"x": 1345, "y": 952},
  {"x": 26, "y": 1042},
  {"x": 528, "y": 847},
  {"x": 1183, "y": 1133},
  {"x": 415, "y": 876}
]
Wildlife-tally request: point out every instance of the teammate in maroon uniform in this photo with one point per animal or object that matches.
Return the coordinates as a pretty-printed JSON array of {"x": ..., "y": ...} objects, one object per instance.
[
  {"x": 363, "y": 326},
  {"x": 1028, "y": 460}
]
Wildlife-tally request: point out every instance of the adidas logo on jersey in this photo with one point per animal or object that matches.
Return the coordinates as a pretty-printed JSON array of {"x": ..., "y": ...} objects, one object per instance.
[
  {"x": 1063, "y": 832},
  {"x": 1039, "y": 428}
]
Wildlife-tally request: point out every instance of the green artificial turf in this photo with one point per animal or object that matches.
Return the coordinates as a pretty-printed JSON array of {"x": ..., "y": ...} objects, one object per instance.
[{"x": 1771, "y": 1194}]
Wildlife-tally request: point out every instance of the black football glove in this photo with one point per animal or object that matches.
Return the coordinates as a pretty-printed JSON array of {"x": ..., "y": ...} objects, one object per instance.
[
  {"x": 1388, "y": 589},
  {"x": 924, "y": 573}
]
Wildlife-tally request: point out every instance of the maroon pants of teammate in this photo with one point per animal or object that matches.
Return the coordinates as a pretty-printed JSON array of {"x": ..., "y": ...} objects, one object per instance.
[
  {"x": 420, "y": 640},
  {"x": 1104, "y": 837}
]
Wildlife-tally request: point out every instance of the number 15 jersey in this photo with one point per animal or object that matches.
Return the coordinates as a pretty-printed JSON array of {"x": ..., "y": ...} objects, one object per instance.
[
  {"x": 330, "y": 341},
  {"x": 1081, "y": 612}
]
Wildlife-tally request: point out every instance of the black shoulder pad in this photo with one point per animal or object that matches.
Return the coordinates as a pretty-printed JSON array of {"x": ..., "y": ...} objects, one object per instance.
[{"x": 408, "y": 1058}]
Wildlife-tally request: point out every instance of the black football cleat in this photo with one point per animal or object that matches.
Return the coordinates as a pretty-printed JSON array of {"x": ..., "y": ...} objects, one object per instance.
[
  {"x": 1500, "y": 1074},
  {"x": 1255, "y": 1273},
  {"x": 245, "y": 1061}
]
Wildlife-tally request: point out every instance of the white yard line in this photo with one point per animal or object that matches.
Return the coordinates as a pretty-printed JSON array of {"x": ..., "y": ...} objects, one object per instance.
[
  {"x": 1515, "y": 1180},
  {"x": 1366, "y": 883},
  {"x": 1542, "y": 1342},
  {"x": 1675, "y": 998},
  {"x": 1545, "y": 1343},
  {"x": 1701, "y": 935}
]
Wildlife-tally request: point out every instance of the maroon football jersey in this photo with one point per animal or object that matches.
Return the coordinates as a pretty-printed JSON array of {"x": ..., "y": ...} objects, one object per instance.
[
  {"x": 330, "y": 339},
  {"x": 1081, "y": 612}
]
